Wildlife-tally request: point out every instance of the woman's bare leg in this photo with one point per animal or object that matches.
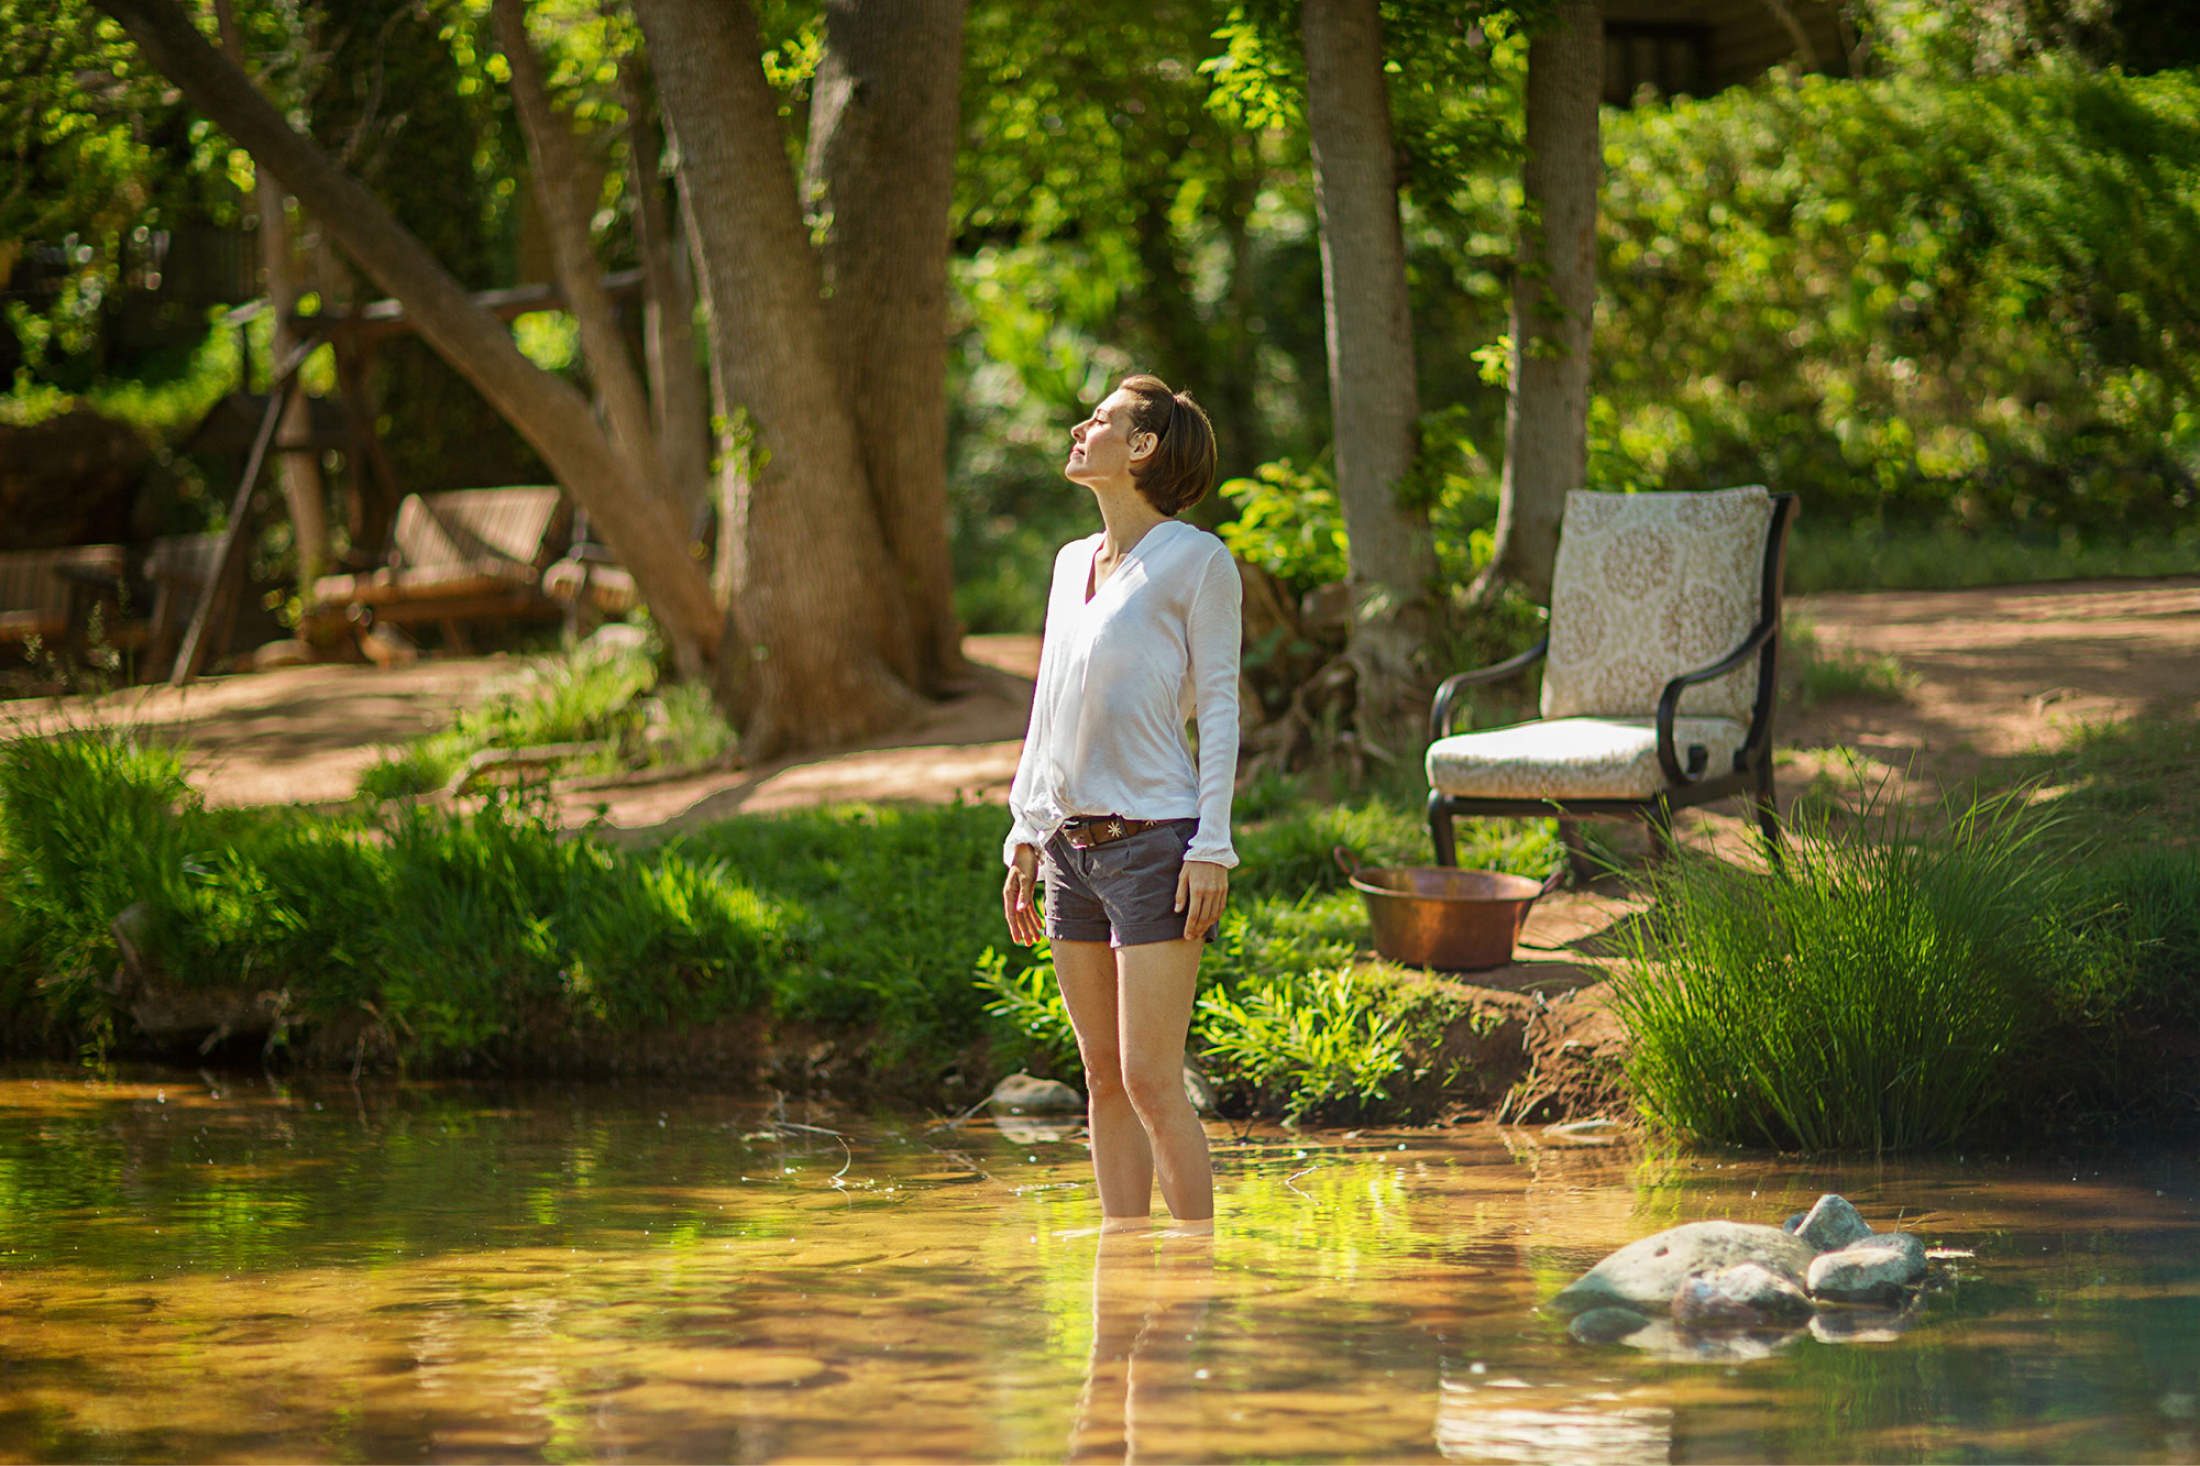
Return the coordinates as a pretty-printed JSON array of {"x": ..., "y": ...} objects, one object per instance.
[
  {"x": 1121, "y": 1161},
  {"x": 1154, "y": 1009}
]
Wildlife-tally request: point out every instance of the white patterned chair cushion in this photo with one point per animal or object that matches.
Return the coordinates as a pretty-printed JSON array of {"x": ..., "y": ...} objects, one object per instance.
[
  {"x": 1576, "y": 758},
  {"x": 1648, "y": 586}
]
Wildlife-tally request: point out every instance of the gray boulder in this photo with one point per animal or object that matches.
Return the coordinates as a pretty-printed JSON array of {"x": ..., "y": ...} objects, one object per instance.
[
  {"x": 1881, "y": 1269},
  {"x": 1644, "y": 1275},
  {"x": 1020, "y": 1094},
  {"x": 1748, "y": 1295},
  {"x": 1832, "y": 1224}
]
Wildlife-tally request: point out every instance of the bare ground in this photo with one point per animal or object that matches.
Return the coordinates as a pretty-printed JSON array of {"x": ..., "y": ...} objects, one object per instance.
[{"x": 1997, "y": 672}]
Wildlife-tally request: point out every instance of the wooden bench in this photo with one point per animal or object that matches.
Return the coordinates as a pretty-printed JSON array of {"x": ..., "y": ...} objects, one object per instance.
[
  {"x": 465, "y": 555},
  {"x": 45, "y": 594},
  {"x": 176, "y": 570}
]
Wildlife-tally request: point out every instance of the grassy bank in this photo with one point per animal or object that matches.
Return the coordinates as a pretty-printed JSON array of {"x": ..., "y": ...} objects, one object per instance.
[{"x": 858, "y": 948}]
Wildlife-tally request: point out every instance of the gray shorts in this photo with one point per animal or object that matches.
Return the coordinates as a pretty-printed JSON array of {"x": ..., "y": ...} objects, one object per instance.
[{"x": 1122, "y": 893}]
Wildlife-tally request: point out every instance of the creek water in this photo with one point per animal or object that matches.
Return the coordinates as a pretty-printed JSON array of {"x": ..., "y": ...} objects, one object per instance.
[{"x": 202, "y": 1267}]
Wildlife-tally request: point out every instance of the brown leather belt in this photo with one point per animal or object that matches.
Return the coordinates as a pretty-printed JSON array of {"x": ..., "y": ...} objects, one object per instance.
[{"x": 1087, "y": 830}]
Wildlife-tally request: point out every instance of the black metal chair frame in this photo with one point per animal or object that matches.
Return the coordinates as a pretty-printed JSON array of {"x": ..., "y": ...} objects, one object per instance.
[{"x": 1686, "y": 784}]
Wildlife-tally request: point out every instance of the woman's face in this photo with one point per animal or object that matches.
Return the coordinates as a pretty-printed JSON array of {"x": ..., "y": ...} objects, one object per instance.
[{"x": 1104, "y": 446}]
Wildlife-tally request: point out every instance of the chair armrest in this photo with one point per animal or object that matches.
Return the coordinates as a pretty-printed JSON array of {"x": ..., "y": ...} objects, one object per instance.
[
  {"x": 1439, "y": 713},
  {"x": 1669, "y": 703}
]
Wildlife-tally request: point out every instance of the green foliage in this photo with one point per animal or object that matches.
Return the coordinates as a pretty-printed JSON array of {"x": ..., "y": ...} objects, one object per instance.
[
  {"x": 1318, "y": 1044},
  {"x": 1914, "y": 302},
  {"x": 1872, "y": 556},
  {"x": 1888, "y": 990},
  {"x": 1027, "y": 1006},
  {"x": 1289, "y": 523}
]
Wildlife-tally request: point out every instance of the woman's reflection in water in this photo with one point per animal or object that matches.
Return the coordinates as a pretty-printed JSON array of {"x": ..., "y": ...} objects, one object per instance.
[{"x": 1150, "y": 1295}]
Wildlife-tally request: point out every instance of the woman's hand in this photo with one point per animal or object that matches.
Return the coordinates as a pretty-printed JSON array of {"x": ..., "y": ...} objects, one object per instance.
[
  {"x": 1017, "y": 901},
  {"x": 1202, "y": 887}
]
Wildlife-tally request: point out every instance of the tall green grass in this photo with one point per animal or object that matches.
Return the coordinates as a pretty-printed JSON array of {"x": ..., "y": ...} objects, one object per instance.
[
  {"x": 1884, "y": 991},
  {"x": 460, "y": 939}
]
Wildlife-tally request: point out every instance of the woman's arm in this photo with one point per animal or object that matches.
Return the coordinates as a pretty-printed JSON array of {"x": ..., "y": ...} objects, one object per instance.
[
  {"x": 1024, "y": 830},
  {"x": 1215, "y": 636}
]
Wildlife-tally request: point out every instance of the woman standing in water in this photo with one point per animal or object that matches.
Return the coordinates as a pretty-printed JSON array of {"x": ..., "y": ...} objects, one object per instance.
[{"x": 1130, "y": 831}]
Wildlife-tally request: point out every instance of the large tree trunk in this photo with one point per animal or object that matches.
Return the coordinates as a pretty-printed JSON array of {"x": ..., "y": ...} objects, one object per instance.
[
  {"x": 552, "y": 416},
  {"x": 813, "y": 609},
  {"x": 1374, "y": 404},
  {"x": 668, "y": 310},
  {"x": 1553, "y": 301},
  {"x": 880, "y": 170},
  {"x": 560, "y": 181},
  {"x": 298, "y": 462}
]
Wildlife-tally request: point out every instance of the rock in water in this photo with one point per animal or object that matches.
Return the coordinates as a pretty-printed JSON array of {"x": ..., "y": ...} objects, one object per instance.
[
  {"x": 1832, "y": 1224},
  {"x": 1607, "y": 1325},
  {"x": 1748, "y": 1295},
  {"x": 1644, "y": 1275},
  {"x": 1198, "y": 1092},
  {"x": 1881, "y": 1269},
  {"x": 1020, "y": 1094}
]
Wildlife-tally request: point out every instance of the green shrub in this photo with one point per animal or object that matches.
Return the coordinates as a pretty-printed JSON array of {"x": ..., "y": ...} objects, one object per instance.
[
  {"x": 1917, "y": 302},
  {"x": 886, "y": 911},
  {"x": 1884, "y": 991}
]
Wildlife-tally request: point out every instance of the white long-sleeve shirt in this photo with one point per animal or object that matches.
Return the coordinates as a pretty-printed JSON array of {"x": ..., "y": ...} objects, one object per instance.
[{"x": 1119, "y": 675}]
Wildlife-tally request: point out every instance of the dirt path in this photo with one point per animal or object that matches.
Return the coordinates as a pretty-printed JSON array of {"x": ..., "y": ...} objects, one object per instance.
[
  {"x": 2007, "y": 670},
  {"x": 1998, "y": 671}
]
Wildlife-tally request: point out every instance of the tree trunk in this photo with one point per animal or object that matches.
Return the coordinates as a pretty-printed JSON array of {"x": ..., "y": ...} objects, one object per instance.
[
  {"x": 813, "y": 608},
  {"x": 550, "y": 414},
  {"x": 298, "y": 462},
  {"x": 668, "y": 311},
  {"x": 880, "y": 169},
  {"x": 1553, "y": 301},
  {"x": 561, "y": 185},
  {"x": 1373, "y": 401}
]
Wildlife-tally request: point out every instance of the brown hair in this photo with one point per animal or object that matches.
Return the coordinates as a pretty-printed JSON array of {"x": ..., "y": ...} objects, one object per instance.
[{"x": 1181, "y": 468}]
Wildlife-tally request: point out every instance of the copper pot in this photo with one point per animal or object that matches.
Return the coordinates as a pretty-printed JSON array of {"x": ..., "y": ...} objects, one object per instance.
[{"x": 1440, "y": 916}]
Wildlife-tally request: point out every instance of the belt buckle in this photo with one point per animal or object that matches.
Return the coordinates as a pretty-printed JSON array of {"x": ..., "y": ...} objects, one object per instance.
[{"x": 1095, "y": 830}]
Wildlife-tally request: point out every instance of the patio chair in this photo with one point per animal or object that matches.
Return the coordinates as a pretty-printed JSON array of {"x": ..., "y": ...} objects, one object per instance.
[
  {"x": 465, "y": 555},
  {"x": 1660, "y": 680}
]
